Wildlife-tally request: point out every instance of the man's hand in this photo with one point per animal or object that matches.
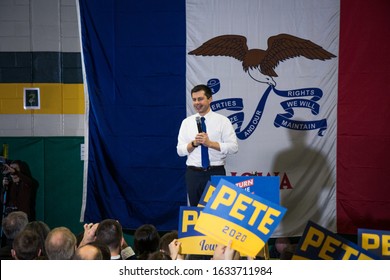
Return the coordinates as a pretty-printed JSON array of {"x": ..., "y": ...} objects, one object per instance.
[{"x": 89, "y": 233}]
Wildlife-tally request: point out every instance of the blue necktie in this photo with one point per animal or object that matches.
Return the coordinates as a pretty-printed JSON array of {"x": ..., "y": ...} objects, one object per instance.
[{"x": 204, "y": 149}]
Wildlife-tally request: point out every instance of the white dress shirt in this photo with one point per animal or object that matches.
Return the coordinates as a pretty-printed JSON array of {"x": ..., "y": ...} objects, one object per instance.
[{"x": 219, "y": 129}]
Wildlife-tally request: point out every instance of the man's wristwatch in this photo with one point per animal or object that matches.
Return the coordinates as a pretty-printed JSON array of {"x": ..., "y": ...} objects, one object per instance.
[{"x": 193, "y": 145}]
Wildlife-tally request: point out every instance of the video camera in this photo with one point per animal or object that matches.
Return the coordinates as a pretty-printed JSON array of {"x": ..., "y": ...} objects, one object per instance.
[
  {"x": 3, "y": 169},
  {"x": 4, "y": 160}
]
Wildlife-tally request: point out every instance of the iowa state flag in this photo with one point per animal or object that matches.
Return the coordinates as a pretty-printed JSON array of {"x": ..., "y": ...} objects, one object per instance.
[
  {"x": 273, "y": 67},
  {"x": 275, "y": 77}
]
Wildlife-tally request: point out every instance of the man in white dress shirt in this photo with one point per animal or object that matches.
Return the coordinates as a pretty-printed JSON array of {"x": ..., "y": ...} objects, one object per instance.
[{"x": 220, "y": 140}]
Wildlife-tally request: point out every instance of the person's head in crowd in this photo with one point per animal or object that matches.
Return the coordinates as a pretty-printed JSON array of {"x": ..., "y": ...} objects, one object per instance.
[
  {"x": 60, "y": 244},
  {"x": 88, "y": 252},
  {"x": 106, "y": 254},
  {"x": 281, "y": 243},
  {"x": 42, "y": 229},
  {"x": 14, "y": 223},
  {"x": 20, "y": 167},
  {"x": 110, "y": 232},
  {"x": 166, "y": 239},
  {"x": 27, "y": 245},
  {"x": 146, "y": 241},
  {"x": 158, "y": 255},
  {"x": 288, "y": 252}
]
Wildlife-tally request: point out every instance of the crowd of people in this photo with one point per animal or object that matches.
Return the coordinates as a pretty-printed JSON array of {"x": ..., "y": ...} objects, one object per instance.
[{"x": 100, "y": 241}]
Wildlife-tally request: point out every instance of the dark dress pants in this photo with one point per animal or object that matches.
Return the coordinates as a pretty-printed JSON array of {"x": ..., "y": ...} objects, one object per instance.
[{"x": 196, "y": 181}]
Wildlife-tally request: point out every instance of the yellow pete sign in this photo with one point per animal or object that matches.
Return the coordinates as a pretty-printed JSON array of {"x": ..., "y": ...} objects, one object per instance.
[
  {"x": 234, "y": 214},
  {"x": 207, "y": 193},
  {"x": 192, "y": 241},
  {"x": 375, "y": 241},
  {"x": 318, "y": 243}
]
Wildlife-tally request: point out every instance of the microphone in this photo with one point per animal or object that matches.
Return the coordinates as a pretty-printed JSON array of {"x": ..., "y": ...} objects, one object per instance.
[{"x": 199, "y": 124}]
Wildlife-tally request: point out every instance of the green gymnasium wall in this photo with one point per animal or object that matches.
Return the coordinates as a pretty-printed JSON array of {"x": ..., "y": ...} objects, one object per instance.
[
  {"x": 40, "y": 47},
  {"x": 56, "y": 163}
]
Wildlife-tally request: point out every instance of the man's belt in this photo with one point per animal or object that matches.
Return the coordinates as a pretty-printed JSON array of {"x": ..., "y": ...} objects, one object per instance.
[{"x": 201, "y": 169}]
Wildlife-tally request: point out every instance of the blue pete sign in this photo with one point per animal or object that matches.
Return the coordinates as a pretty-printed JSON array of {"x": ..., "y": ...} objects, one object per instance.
[
  {"x": 235, "y": 214},
  {"x": 266, "y": 187}
]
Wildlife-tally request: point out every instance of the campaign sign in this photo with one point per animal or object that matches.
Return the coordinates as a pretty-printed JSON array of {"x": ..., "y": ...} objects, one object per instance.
[
  {"x": 375, "y": 241},
  {"x": 192, "y": 241},
  {"x": 267, "y": 187},
  {"x": 240, "y": 216},
  {"x": 318, "y": 243},
  {"x": 208, "y": 191}
]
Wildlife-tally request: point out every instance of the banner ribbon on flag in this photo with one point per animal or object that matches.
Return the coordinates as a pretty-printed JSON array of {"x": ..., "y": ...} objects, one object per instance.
[{"x": 281, "y": 120}]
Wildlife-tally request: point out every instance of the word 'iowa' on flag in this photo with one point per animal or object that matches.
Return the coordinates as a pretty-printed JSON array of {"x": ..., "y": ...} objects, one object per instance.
[
  {"x": 232, "y": 214},
  {"x": 318, "y": 243}
]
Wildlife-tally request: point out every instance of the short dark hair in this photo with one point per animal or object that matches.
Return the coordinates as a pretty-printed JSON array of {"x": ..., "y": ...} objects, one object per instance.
[
  {"x": 110, "y": 232},
  {"x": 206, "y": 89},
  {"x": 27, "y": 245},
  {"x": 146, "y": 240},
  {"x": 42, "y": 229},
  {"x": 159, "y": 256},
  {"x": 166, "y": 239}
]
